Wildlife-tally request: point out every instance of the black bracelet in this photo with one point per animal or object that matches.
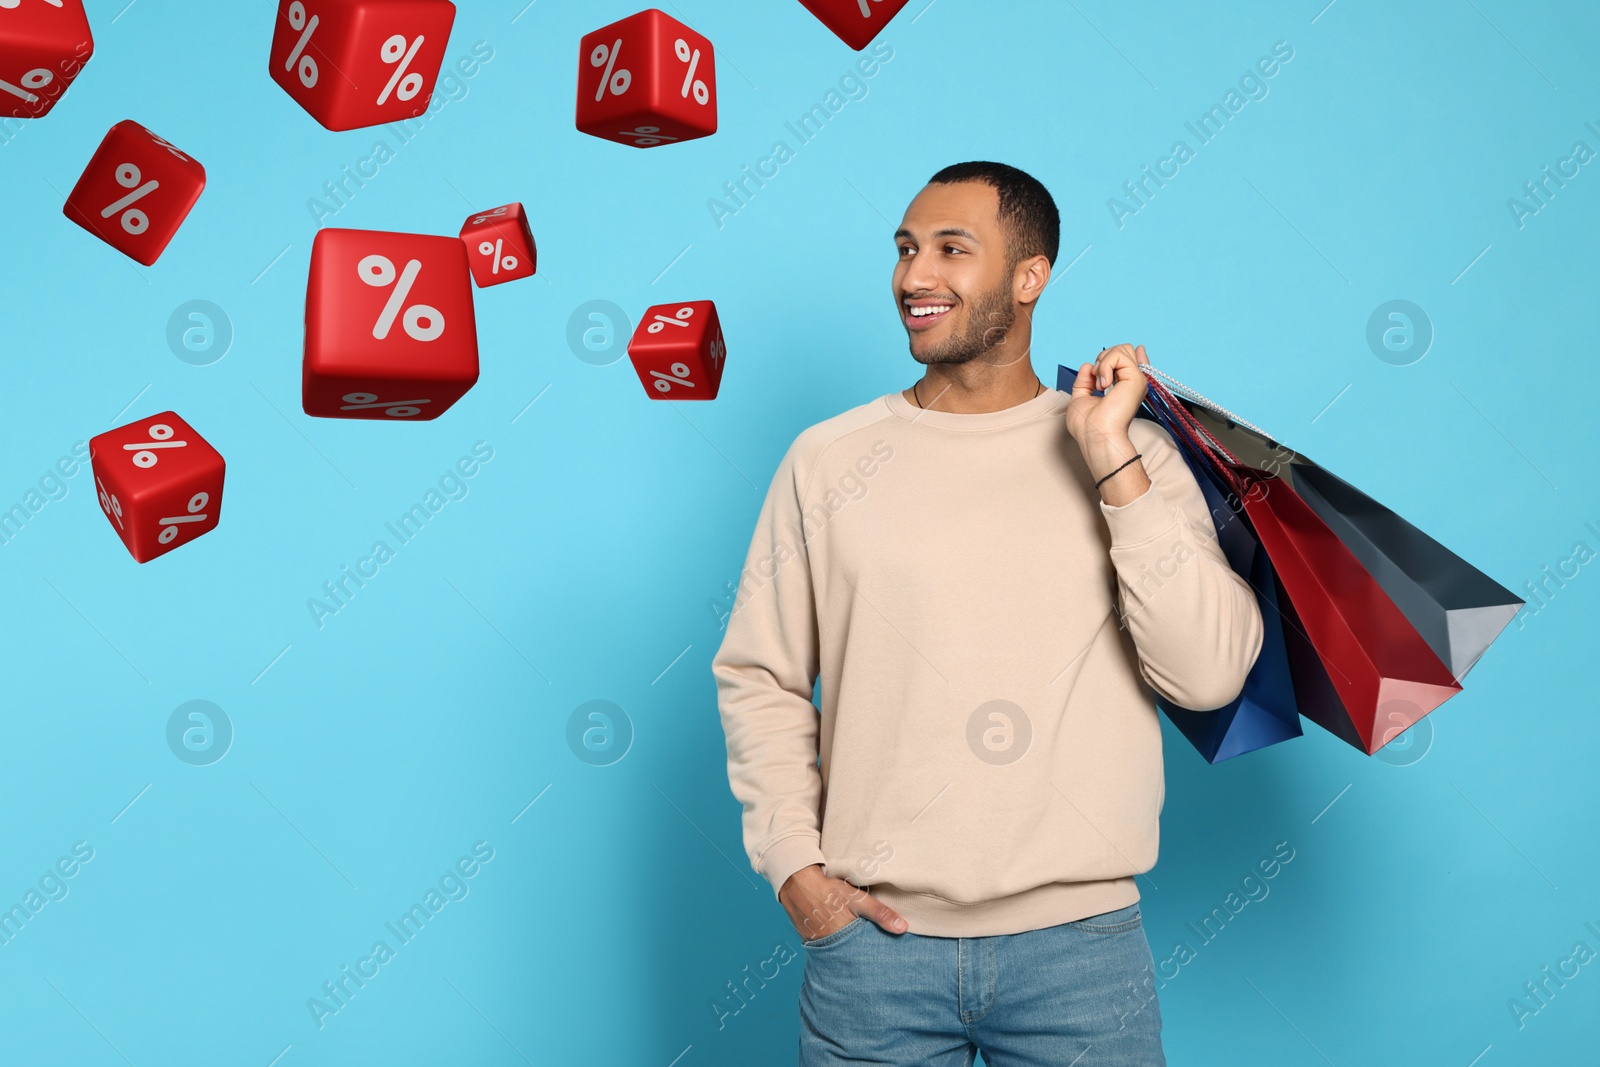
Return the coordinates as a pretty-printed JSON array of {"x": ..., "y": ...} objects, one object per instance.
[{"x": 1136, "y": 455}]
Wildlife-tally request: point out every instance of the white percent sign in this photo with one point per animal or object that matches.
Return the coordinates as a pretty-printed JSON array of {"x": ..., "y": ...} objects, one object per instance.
[
  {"x": 866, "y": 12},
  {"x": 607, "y": 58},
  {"x": 646, "y": 136},
  {"x": 134, "y": 220},
  {"x": 680, "y": 315},
  {"x": 422, "y": 322},
  {"x": 487, "y": 215},
  {"x": 679, "y": 376},
  {"x": 306, "y": 27},
  {"x": 494, "y": 250},
  {"x": 701, "y": 93},
  {"x": 34, "y": 79},
  {"x": 396, "y": 409},
  {"x": 110, "y": 504},
  {"x": 144, "y": 454},
  {"x": 10, "y": 5},
  {"x": 394, "y": 51},
  {"x": 170, "y": 526}
]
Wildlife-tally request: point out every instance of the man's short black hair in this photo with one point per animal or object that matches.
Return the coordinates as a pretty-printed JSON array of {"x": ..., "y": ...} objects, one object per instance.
[{"x": 1026, "y": 208}]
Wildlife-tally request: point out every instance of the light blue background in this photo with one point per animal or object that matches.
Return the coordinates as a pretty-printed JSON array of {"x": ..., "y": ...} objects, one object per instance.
[{"x": 592, "y": 550}]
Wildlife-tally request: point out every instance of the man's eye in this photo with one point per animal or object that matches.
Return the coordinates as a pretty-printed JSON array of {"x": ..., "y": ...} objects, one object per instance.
[
  {"x": 904, "y": 249},
  {"x": 953, "y": 248}
]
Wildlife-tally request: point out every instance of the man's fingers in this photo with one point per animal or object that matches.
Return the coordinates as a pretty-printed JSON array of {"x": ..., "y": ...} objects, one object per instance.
[
  {"x": 1133, "y": 356},
  {"x": 1105, "y": 366},
  {"x": 1083, "y": 384},
  {"x": 818, "y": 908},
  {"x": 882, "y": 914},
  {"x": 874, "y": 910},
  {"x": 1099, "y": 369}
]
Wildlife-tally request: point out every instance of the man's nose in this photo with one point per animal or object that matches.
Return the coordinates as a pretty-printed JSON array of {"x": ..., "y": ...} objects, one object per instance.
[{"x": 920, "y": 274}]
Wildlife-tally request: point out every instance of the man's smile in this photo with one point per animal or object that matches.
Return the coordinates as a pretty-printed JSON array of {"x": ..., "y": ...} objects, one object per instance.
[{"x": 924, "y": 314}]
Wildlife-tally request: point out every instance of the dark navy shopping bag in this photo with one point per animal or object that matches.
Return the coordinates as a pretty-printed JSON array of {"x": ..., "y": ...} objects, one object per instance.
[{"x": 1265, "y": 711}]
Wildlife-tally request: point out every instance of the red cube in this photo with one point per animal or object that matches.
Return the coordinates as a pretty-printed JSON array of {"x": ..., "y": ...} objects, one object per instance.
[
  {"x": 159, "y": 483},
  {"x": 855, "y": 22},
  {"x": 390, "y": 332},
  {"x": 43, "y": 45},
  {"x": 645, "y": 81},
  {"x": 499, "y": 245},
  {"x": 135, "y": 192},
  {"x": 678, "y": 351},
  {"x": 354, "y": 63}
]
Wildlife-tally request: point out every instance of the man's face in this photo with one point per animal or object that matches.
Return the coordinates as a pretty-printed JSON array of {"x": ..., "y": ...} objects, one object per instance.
[{"x": 952, "y": 268}]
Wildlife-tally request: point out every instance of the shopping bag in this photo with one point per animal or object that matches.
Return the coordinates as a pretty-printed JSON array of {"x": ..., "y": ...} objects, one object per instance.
[
  {"x": 1265, "y": 711},
  {"x": 1457, "y": 608},
  {"x": 1355, "y": 658}
]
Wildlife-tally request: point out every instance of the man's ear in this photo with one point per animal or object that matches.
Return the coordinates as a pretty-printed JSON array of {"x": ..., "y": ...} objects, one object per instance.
[{"x": 1030, "y": 279}]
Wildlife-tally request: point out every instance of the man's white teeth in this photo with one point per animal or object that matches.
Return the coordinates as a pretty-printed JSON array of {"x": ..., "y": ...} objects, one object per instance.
[{"x": 918, "y": 313}]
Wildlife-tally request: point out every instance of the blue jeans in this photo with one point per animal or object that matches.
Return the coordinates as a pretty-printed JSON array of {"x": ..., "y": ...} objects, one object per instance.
[{"x": 1080, "y": 993}]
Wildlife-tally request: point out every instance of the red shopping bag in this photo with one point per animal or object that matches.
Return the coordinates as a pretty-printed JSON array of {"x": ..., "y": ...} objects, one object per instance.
[
  {"x": 1356, "y": 660},
  {"x": 1458, "y": 609}
]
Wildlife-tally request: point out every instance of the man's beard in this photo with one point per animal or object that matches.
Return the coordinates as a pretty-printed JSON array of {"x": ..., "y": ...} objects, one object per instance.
[{"x": 988, "y": 324}]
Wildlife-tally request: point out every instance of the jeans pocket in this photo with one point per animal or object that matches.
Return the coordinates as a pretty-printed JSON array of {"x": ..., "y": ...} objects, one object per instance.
[
  {"x": 833, "y": 937},
  {"x": 1111, "y": 922}
]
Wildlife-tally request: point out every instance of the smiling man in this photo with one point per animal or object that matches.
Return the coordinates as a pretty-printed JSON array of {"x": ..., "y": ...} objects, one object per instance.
[{"x": 989, "y": 578}]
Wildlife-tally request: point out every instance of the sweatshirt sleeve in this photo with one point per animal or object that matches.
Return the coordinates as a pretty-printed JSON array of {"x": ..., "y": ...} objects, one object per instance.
[
  {"x": 766, "y": 670},
  {"x": 1195, "y": 622}
]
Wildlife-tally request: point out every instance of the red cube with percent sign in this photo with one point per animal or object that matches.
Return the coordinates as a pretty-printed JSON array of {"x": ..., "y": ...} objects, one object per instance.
[
  {"x": 159, "y": 483},
  {"x": 43, "y": 46},
  {"x": 645, "y": 81},
  {"x": 678, "y": 351},
  {"x": 354, "y": 63},
  {"x": 390, "y": 332},
  {"x": 855, "y": 22},
  {"x": 135, "y": 192},
  {"x": 499, "y": 245}
]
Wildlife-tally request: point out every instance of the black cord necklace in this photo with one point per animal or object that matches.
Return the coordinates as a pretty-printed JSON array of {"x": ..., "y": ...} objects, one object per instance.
[{"x": 919, "y": 382}]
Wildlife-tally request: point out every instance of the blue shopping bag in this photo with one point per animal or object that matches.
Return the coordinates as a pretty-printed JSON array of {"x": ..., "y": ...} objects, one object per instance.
[{"x": 1265, "y": 711}]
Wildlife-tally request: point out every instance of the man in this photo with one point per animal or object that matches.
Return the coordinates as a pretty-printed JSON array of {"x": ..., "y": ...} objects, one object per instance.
[{"x": 988, "y": 577}]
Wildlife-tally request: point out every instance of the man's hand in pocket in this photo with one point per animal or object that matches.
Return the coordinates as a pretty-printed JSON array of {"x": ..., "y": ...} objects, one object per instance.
[{"x": 819, "y": 905}]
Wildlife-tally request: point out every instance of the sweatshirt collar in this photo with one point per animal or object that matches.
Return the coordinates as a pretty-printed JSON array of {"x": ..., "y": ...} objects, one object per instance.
[{"x": 1046, "y": 403}]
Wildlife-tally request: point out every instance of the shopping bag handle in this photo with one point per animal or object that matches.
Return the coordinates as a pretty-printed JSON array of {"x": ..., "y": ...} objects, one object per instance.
[
  {"x": 1203, "y": 401},
  {"x": 1186, "y": 426},
  {"x": 1227, "y": 466}
]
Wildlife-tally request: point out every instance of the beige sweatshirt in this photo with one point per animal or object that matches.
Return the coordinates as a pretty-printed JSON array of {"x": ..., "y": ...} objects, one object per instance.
[{"x": 986, "y": 630}]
